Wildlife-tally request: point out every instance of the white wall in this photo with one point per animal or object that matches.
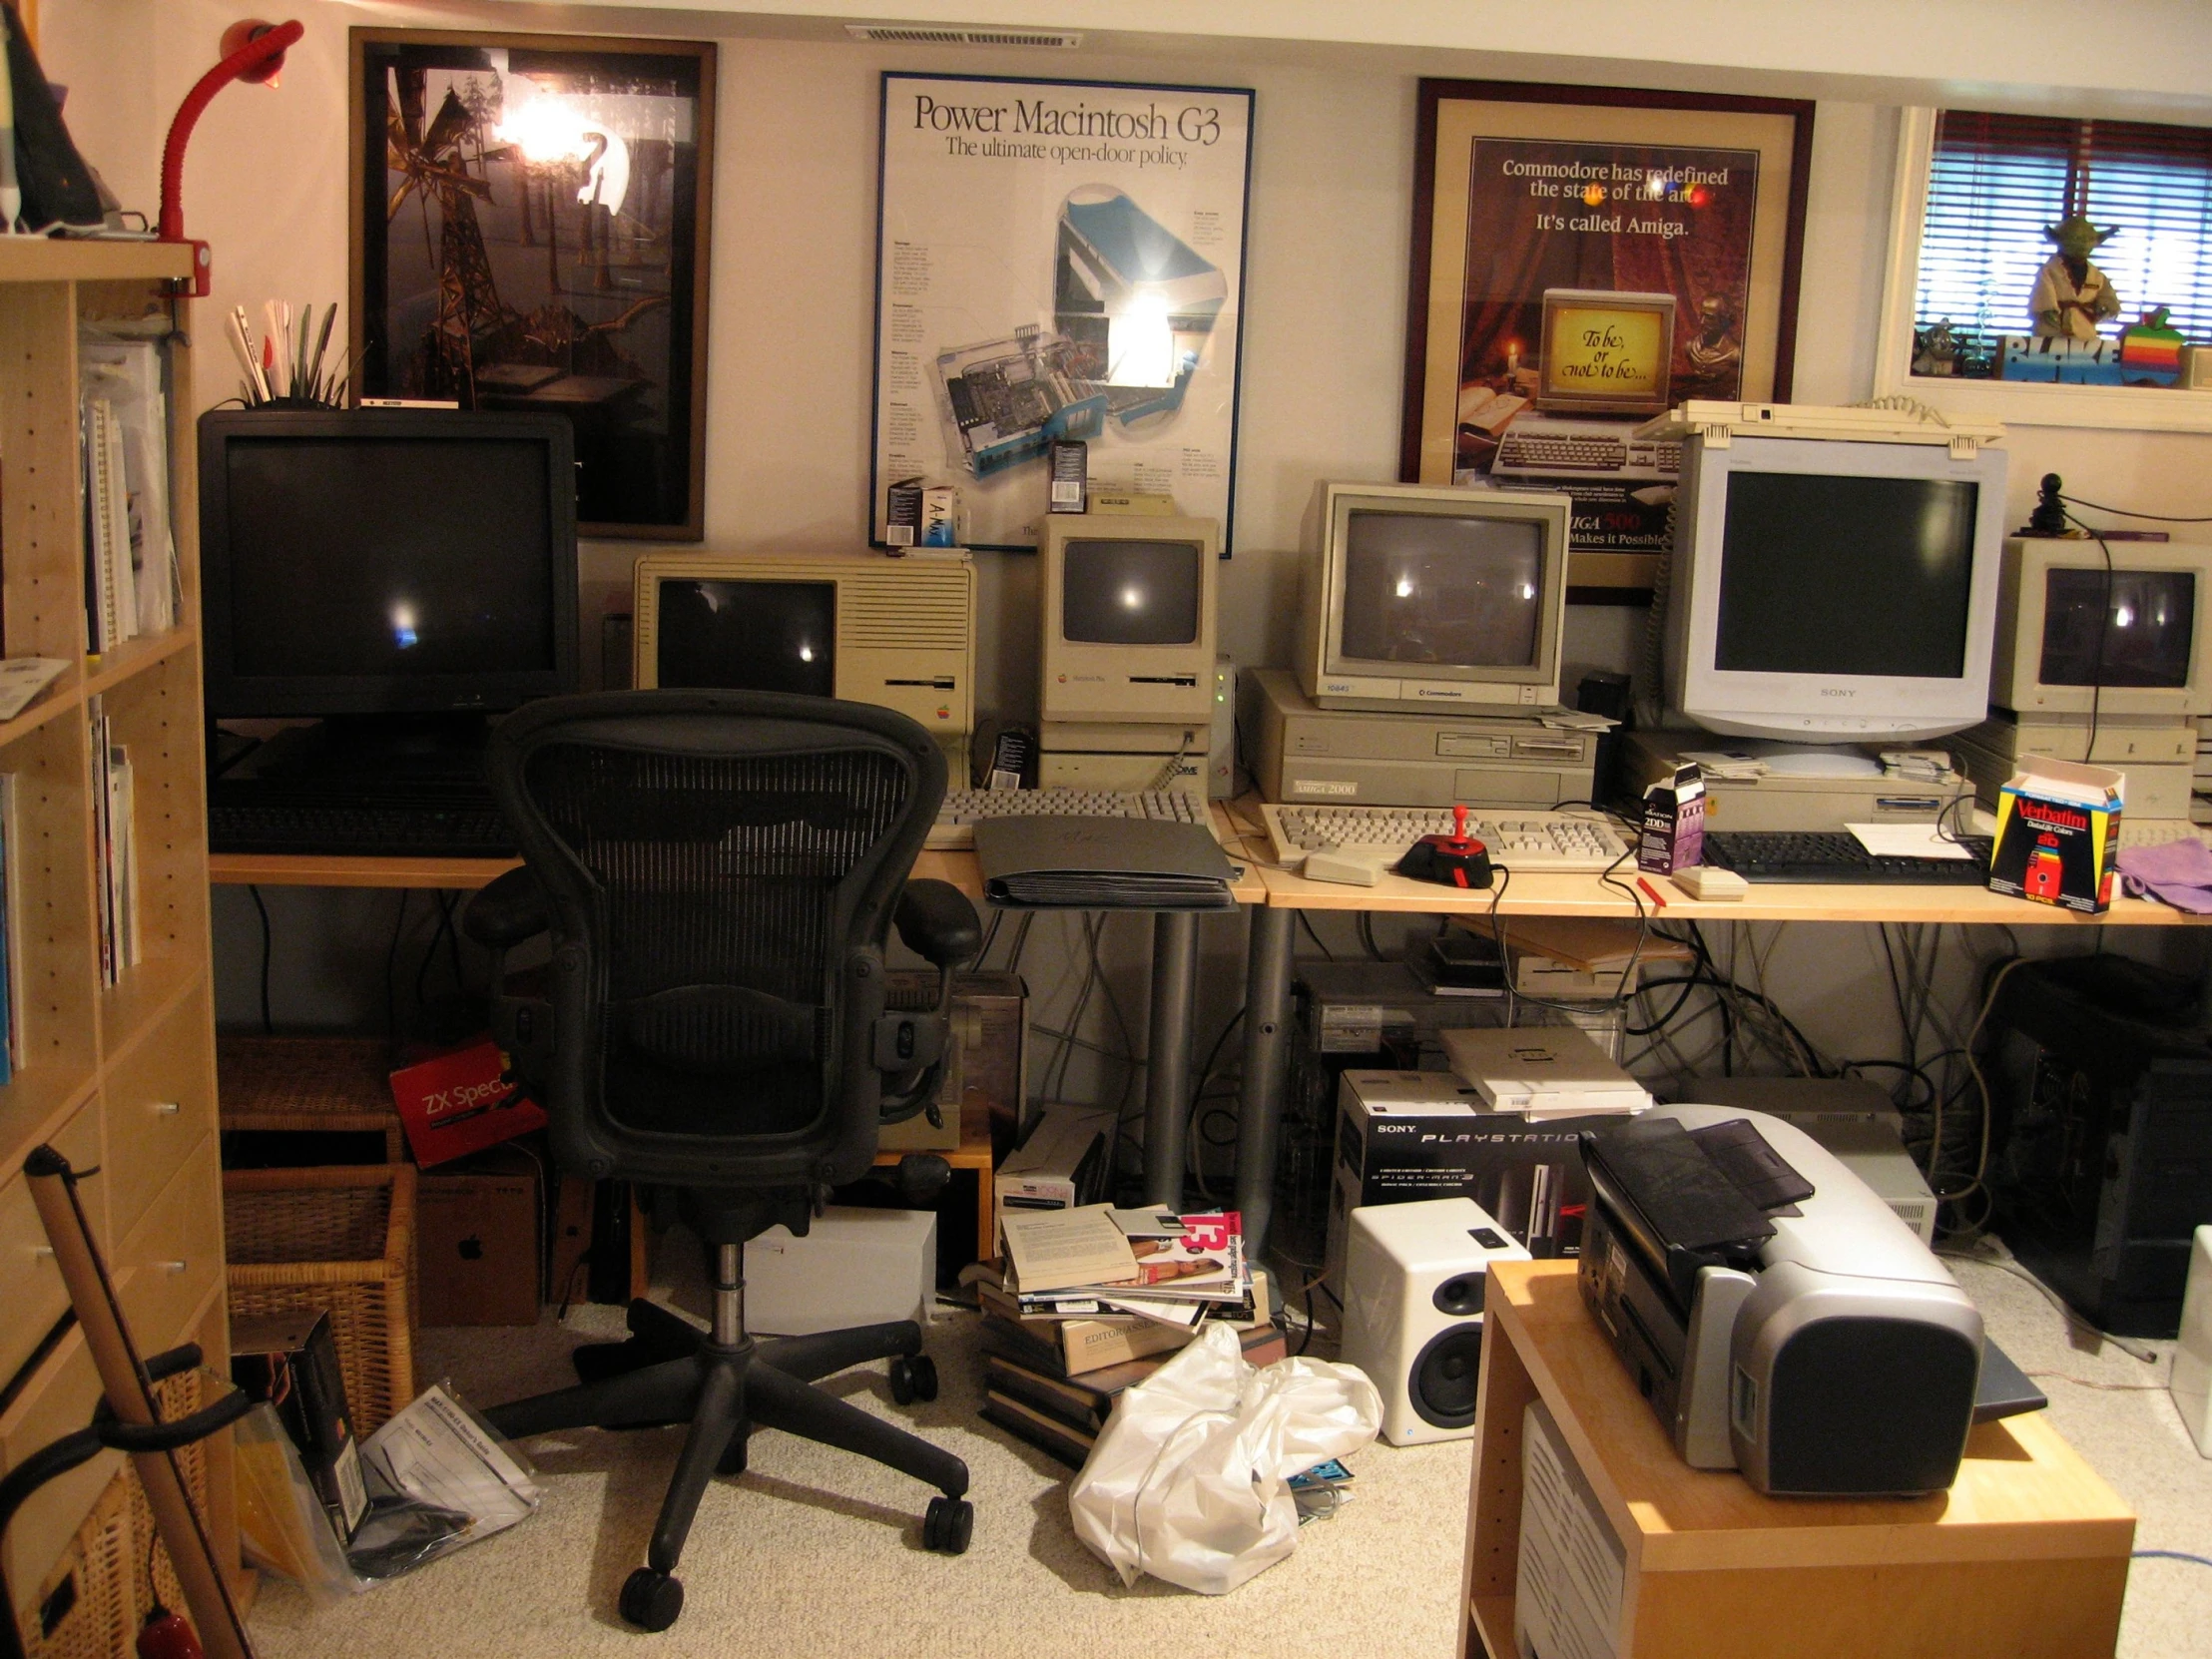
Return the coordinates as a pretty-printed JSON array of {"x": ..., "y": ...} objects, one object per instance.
[{"x": 789, "y": 377}]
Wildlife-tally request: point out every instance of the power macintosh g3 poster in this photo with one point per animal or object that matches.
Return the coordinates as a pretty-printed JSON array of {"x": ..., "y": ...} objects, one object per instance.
[{"x": 1058, "y": 259}]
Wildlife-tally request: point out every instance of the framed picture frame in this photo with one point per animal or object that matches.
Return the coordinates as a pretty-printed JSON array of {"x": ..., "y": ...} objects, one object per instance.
[
  {"x": 1057, "y": 259},
  {"x": 1584, "y": 258},
  {"x": 2016, "y": 402},
  {"x": 531, "y": 218}
]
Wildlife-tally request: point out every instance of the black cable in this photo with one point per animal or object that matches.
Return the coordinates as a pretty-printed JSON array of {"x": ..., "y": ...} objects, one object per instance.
[
  {"x": 2104, "y": 624},
  {"x": 392, "y": 961},
  {"x": 268, "y": 1025},
  {"x": 431, "y": 955},
  {"x": 2123, "y": 512},
  {"x": 1658, "y": 1026},
  {"x": 1326, "y": 953},
  {"x": 1367, "y": 937}
]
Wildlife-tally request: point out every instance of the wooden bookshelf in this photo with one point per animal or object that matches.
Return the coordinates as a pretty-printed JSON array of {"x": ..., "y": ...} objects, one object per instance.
[{"x": 120, "y": 1077}]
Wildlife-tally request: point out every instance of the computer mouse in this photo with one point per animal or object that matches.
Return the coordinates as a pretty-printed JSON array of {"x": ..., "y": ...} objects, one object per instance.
[{"x": 1454, "y": 860}]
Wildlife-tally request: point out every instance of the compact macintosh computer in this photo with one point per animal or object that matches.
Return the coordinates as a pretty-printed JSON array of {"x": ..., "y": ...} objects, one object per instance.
[
  {"x": 2104, "y": 662},
  {"x": 898, "y": 633},
  {"x": 1125, "y": 660},
  {"x": 395, "y": 576}
]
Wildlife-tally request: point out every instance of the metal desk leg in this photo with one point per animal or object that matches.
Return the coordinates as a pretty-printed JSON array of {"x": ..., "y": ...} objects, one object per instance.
[
  {"x": 1167, "y": 1084},
  {"x": 1266, "y": 1053}
]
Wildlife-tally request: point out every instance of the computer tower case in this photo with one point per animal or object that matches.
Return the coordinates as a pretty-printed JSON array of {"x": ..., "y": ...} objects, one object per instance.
[{"x": 2101, "y": 1088}]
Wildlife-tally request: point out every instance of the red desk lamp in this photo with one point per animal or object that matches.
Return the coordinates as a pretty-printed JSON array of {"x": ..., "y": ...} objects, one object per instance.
[{"x": 252, "y": 51}]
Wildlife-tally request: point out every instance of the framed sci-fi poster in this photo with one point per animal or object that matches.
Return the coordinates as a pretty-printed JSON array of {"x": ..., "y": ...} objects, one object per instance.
[
  {"x": 1058, "y": 259},
  {"x": 532, "y": 218}
]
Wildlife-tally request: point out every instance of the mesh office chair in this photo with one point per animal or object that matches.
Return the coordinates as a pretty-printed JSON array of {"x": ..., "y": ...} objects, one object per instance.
[{"x": 719, "y": 872}]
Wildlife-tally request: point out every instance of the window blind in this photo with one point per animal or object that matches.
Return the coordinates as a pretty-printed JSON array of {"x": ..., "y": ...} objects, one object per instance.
[{"x": 1995, "y": 181}]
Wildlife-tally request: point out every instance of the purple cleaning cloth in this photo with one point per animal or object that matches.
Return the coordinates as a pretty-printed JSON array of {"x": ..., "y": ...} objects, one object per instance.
[{"x": 2180, "y": 872}]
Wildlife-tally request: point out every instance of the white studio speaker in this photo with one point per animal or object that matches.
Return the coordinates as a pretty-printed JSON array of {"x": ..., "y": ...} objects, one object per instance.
[{"x": 1414, "y": 1275}]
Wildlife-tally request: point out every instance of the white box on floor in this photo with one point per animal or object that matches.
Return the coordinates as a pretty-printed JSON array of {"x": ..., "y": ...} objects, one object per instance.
[
  {"x": 853, "y": 1267},
  {"x": 2191, "y": 1383}
]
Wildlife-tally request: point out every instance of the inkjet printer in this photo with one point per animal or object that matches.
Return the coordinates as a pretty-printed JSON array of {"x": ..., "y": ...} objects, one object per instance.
[{"x": 1777, "y": 1316}]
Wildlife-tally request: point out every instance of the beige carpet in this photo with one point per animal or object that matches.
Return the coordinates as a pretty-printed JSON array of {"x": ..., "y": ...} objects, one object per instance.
[{"x": 817, "y": 1553}]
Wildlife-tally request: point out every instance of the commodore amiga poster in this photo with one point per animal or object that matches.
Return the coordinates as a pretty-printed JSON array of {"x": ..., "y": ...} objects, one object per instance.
[
  {"x": 1057, "y": 259},
  {"x": 1591, "y": 267}
]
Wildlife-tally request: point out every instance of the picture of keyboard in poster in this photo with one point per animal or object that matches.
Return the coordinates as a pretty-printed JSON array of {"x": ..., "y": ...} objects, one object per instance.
[
  {"x": 1613, "y": 283},
  {"x": 1057, "y": 261}
]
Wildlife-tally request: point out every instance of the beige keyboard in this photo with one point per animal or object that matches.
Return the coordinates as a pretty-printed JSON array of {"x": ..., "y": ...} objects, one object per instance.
[
  {"x": 1518, "y": 841},
  {"x": 956, "y": 818},
  {"x": 2157, "y": 831}
]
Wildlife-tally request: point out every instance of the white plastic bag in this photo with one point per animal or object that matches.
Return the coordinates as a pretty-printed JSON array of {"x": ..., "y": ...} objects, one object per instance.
[{"x": 1186, "y": 1483}]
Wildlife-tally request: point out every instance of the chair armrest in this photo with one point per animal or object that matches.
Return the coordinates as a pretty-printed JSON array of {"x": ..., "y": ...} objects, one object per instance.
[
  {"x": 507, "y": 911},
  {"x": 938, "y": 923}
]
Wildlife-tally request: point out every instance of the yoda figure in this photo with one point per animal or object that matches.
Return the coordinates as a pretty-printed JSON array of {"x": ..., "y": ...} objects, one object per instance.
[{"x": 2073, "y": 295}]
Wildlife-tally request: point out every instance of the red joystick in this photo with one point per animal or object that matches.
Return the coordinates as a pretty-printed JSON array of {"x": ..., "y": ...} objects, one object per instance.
[{"x": 1454, "y": 860}]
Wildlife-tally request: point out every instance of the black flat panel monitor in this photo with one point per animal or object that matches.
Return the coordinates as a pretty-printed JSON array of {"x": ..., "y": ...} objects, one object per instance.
[
  {"x": 377, "y": 561},
  {"x": 749, "y": 636}
]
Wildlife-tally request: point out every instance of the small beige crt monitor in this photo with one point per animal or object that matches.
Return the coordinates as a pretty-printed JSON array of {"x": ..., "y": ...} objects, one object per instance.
[
  {"x": 1127, "y": 602},
  {"x": 2073, "y": 635},
  {"x": 1424, "y": 596},
  {"x": 898, "y": 633}
]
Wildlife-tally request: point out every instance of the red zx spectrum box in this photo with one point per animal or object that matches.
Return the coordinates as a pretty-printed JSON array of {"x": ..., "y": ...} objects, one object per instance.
[{"x": 460, "y": 1103}]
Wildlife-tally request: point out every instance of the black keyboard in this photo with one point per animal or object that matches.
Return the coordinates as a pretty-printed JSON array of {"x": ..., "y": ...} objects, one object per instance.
[
  {"x": 1835, "y": 856},
  {"x": 416, "y": 829}
]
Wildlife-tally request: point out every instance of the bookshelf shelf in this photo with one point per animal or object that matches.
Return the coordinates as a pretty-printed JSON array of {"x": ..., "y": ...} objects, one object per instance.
[
  {"x": 122, "y": 1075},
  {"x": 111, "y": 669},
  {"x": 62, "y": 260}
]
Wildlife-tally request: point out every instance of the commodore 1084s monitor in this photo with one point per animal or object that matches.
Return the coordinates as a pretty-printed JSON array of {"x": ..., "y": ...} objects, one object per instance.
[
  {"x": 1419, "y": 596},
  {"x": 1827, "y": 589},
  {"x": 2077, "y": 635}
]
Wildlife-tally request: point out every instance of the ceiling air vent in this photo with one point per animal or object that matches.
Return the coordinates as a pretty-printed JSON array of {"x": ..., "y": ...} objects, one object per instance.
[{"x": 911, "y": 34}]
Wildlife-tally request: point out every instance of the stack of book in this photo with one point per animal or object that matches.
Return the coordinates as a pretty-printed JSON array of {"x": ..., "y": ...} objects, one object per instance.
[
  {"x": 113, "y": 805},
  {"x": 130, "y": 549},
  {"x": 1093, "y": 1301}
]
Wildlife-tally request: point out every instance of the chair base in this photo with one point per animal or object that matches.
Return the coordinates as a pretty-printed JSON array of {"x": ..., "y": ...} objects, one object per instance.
[{"x": 670, "y": 1371}]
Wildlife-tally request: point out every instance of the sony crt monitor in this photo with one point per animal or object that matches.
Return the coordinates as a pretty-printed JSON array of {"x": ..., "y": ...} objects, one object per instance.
[
  {"x": 898, "y": 633},
  {"x": 386, "y": 561},
  {"x": 2076, "y": 635},
  {"x": 1834, "y": 589},
  {"x": 1424, "y": 596},
  {"x": 1126, "y": 607}
]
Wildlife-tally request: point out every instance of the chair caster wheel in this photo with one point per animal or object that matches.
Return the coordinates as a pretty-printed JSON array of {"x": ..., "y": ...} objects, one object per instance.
[
  {"x": 732, "y": 1456},
  {"x": 947, "y": 1525},
  {"x": 913, "y": 1379},
  {"x": 651, "y": 1600}
]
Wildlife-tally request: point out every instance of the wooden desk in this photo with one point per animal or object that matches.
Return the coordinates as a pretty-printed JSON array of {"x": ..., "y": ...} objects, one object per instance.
[
  {"x": 340, "y": 869},
  {"x": 2026, "y": 1558},
  {"x": 1269, "y": 966}
]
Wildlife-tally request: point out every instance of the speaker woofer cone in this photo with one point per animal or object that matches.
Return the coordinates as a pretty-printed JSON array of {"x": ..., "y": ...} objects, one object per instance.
[{"x": 1445, "y": 1375}]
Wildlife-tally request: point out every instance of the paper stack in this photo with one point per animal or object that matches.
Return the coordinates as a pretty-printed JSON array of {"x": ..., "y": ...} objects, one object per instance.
[{"x": 1093, "y": 1301}]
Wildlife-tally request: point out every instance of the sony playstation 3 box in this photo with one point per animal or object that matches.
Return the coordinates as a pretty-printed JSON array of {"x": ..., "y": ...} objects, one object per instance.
[{"x": 1403, "y": 1136}]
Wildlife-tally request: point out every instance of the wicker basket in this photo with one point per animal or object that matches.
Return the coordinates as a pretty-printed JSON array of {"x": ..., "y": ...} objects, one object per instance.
[
  {"x": 308, "y": 1085},
  {"x": 89, "y": 1595},
  {"x": 180, "y": 1397},
  {"x": 341, "y": 1239}
]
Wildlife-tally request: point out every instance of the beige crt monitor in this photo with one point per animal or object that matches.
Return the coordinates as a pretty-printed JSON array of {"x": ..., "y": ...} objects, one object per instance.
[
  {"x": 1126, "y": 603},
  {"x": 1428, "y": 596},
  {"x": 2075, "y": 635},
  {"x": 898, "y": 633}
]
